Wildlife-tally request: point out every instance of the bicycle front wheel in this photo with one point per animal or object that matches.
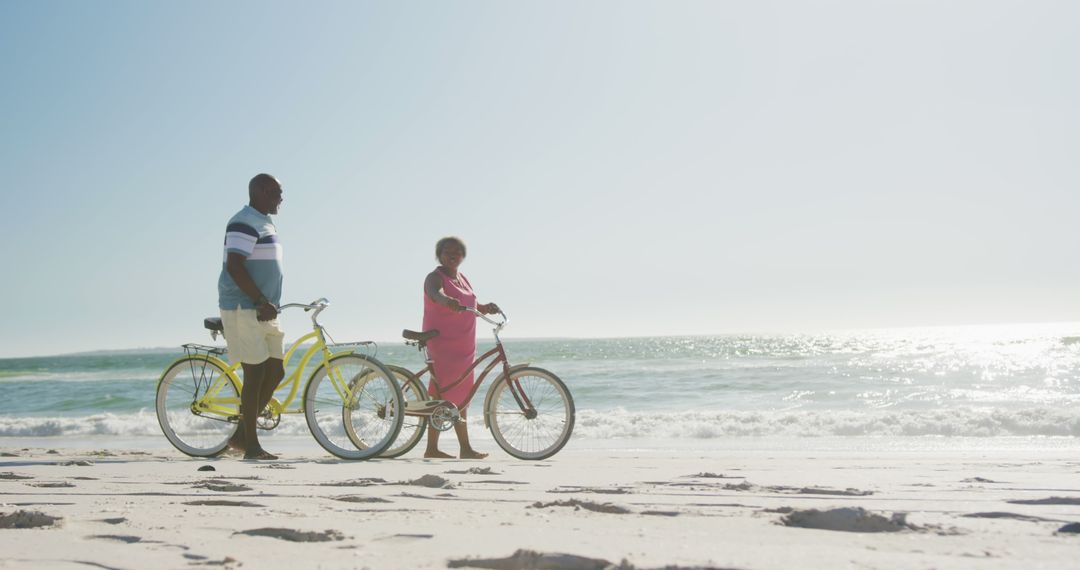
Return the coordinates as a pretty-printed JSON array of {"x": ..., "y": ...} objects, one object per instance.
[
  {"x": 353, "y": 406},
  {"x": 198, "y": 406},
  {"x": 540, "y": 425},
  {"x": 412, "y": 428}
]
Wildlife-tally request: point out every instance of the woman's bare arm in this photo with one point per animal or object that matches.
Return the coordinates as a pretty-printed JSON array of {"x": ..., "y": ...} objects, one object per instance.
[{"x": 433, "y": 289}]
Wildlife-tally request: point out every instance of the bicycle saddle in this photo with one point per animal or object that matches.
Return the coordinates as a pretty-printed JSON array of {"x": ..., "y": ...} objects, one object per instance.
[
  {"x": 214, "y": 324},
  {"x": 420, "y": 337}
]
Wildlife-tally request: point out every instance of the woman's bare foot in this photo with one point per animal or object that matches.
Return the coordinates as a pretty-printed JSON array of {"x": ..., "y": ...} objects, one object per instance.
[
  {"x": 260, "y": 454},
  {"x": 472, "y": 454},
  {"x": 436, "y": 454}
]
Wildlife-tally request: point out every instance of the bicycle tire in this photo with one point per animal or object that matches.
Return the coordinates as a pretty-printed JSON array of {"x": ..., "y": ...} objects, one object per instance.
[
  {"x": 530, "y": 438},
  {"x": 372, "y": 417},
  {"x": 412, "y": 427},
  {"x": 178, "y": 389}
]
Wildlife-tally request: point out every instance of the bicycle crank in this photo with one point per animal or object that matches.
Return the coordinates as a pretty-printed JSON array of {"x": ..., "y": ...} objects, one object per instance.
[{"x": 444, "y": 417}]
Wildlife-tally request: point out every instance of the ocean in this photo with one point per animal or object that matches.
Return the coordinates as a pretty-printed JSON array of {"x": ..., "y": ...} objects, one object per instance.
[{"x": 970, "y": 382}]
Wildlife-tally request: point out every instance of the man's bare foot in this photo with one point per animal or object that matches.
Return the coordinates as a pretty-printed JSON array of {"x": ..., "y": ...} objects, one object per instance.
[
  {"x": 472, "y": 454},
  {"x": 236, "y": 444},
  {"x": 260, "y": 454},
  {"x": 437, "y": 455}
]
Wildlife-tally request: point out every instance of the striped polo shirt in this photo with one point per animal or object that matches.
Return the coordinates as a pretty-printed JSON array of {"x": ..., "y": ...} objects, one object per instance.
[{"x": 251, "y": 234}]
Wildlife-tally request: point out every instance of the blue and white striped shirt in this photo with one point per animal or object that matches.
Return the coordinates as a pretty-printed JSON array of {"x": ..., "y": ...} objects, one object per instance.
[{"x": 251, "y": 234}]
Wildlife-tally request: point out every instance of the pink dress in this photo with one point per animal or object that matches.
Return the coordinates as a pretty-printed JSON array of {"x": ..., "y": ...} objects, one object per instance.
[{"x": 453, "y": 351}]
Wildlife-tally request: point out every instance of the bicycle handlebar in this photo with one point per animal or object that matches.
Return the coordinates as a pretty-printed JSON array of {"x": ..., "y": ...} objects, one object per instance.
[
  {"x": 505, "y": 319},
  {"x": 320, "y": 303}
]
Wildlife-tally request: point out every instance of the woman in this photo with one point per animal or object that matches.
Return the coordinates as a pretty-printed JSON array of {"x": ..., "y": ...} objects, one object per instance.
[{"x": 447, "y": 293}]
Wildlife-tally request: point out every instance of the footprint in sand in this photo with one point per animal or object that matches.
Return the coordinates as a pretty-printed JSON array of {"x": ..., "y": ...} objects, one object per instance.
[
  {"x": 27, "y": 519},
  {"x": 847, "y": 520},
  {"x": 474, "y": 471},
  {"x": 1003, "y": 515},
  {"x": 977, "y": 480},
  {"x": 599, "y": 491},
  {"x": 587, "y": 505},
  {"x": 748, "y": 486},
  {"x": 442, "y": 497},
  {"x": 406, "y": 537},
  {"x": 200, "y": 560},
  {"x": 366, "y": 482},
  {"x": 125, "y": 538},
  {"x": 711, "y": 475},
  {"x": 431, "y": 482},
  {"x": 292, "y": 535},
  {"x": 1048, "y": 501},
  {"x": 222, "y": 487},
  {"x": 222, "y": 503},
  {"x": 526, "y": 559},
  {"x": 361, "y": 499}
]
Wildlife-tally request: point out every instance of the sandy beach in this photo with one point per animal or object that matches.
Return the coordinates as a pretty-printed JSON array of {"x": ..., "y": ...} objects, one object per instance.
[{"x": 740, "y": 504}]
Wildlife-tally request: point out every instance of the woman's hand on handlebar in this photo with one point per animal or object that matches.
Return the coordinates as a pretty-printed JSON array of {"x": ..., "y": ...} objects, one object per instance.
[
  {"x": 489, "y": 309},
  {"x": 453, "y": 304}
]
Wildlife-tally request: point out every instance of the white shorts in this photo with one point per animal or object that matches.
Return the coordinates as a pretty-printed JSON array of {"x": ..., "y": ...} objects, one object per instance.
[{"x": 250, "y": 340}]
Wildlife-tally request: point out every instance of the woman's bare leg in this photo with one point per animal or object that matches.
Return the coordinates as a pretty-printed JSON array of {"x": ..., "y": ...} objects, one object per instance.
[
  {"x": 462, "y": 430},
  {"x": 432, "y": 451}
]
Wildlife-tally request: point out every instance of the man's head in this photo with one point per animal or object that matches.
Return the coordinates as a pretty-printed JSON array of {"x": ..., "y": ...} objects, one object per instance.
[{"x": 264, "y": 193}]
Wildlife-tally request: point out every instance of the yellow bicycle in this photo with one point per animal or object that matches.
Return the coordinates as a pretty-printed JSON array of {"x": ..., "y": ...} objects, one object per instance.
[{"x": 351, "y": 401}]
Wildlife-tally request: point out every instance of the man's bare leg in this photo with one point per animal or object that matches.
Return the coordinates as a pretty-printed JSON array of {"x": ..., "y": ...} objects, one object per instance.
[
  {"x": 273, "y": 372},
  {"x": 249, "y": 400}
]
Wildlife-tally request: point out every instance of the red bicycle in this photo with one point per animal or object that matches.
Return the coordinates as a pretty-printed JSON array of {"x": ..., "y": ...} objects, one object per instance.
[{"x": 529, "y": 410}]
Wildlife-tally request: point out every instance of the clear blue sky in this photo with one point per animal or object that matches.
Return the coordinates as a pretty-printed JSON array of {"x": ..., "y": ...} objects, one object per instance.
[{"x": 616, "y": 167}]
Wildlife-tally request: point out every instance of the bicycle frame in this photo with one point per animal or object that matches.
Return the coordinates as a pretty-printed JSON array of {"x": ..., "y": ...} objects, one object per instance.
[
  {"x": 499, "y": 354},
  {"x": 210, "y": 403}
]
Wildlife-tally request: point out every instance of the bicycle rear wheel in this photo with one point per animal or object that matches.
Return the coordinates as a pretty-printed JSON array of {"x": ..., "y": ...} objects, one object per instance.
[
  {"x": 353, "y": 407},
  {"x": 413, "y": 427},
  {"x": 538, "y": 431},
  {"x": 198, "y": 406}
]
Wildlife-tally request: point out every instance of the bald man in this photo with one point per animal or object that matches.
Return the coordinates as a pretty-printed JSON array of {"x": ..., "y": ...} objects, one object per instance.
[{"x": 249, "y": 293}]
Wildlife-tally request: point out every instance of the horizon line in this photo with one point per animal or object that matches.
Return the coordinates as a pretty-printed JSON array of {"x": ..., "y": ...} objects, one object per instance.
[{"x": 846, "y": 330}]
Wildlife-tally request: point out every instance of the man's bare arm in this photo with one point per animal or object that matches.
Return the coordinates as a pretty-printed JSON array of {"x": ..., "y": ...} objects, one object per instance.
[{"x": 234, "y": 264}]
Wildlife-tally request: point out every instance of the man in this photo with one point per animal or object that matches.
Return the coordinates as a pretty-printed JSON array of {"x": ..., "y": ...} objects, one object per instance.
[{"x": 249, "y": 293}]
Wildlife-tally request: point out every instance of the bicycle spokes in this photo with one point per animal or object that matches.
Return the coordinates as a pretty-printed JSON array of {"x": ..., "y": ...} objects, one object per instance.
[{"x": 531, "y": 413}]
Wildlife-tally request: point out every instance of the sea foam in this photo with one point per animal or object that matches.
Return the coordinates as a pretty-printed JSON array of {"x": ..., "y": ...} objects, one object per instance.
[{"x": 702, "y": 425}]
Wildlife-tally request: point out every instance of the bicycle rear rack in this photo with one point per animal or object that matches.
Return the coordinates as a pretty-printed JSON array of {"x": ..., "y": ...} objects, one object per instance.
[{"x": 193, "y": 349}]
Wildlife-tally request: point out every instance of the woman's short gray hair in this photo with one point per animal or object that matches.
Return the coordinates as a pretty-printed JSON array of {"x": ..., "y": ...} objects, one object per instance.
[{"x": 441, "y": 244}]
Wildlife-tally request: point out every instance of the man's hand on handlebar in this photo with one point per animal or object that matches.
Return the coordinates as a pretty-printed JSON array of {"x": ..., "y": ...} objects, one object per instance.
[{"x": 266, "y": 312}]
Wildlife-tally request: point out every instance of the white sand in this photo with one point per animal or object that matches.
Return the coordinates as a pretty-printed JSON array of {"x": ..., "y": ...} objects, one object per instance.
[{"x": 652, "y": 504}]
